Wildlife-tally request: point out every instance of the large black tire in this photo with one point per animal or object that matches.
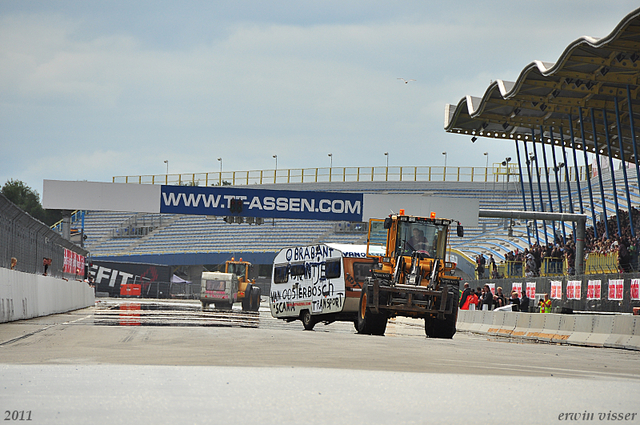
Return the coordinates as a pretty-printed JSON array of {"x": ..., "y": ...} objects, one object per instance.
[
  {"x": 246, "y": 301},
  {"x": 308, "y": 321},
  {"x": 204, "y": 304},
  {"x": 368, "y": 322},
  {"x": 255, "y": 298},
  {"x": 446, "y": 328}
]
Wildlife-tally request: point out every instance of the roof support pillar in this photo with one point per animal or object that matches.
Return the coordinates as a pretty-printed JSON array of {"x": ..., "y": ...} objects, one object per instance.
[
  {"x": 604, "y": 202},
  {"x": 586, "y": 164},
  {"x": 529, "y": 162},
  {"x": 546, "y": 175},
  {"x": 575, "y": 165},
  {"x": 624, "y": 166},
  {"x": 633, "y": 134},
  {"x": 535, "y": 156},
  {"x": 555, "y": 173},
  {"x": 567, "y": 180},
  {"x": 612, "y": 171},
  {"x": 524, "y": 198}
]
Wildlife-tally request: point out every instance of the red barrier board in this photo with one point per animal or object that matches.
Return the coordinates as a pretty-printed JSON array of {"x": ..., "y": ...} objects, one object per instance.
[
  {"x": 616, "y": 287},
  {"x": 635, "y": 289},
  {"x": 556, "y": 290},
  {"x": 593, "y": 290}
]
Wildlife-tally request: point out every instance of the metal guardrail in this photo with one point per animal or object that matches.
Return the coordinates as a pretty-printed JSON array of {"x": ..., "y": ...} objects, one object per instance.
[
  {"x": 602, "y": 263},
  {"x": 495, "y": 174},
  {"x": 594, "y": 264}
]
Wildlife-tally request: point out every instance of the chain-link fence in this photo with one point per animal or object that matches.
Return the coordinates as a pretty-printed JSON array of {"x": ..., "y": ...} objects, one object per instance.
[{"x": 29, "y": 241}]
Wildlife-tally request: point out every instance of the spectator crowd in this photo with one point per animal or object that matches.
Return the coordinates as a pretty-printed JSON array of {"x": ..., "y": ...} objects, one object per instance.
[
  {"x": 625, "y": 245},
  {"x": 484, "y": 299}
]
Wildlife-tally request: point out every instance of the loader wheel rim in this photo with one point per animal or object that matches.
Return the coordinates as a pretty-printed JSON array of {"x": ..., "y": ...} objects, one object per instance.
[{"x": 363, "y": 305}]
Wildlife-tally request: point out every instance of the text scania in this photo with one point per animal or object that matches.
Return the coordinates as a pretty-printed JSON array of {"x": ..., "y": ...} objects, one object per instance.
[{"x": 267, "y": 203}]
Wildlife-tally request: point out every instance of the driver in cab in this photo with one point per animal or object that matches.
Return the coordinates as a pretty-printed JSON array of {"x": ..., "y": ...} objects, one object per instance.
[{"x": 418, "y": 242}]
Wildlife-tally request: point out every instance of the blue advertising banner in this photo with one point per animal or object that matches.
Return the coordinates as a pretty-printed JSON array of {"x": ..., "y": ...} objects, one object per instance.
[{"x": 234, "y": 201}]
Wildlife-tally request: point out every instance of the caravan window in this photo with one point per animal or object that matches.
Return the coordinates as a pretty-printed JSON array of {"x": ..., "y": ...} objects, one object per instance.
[
  {"x": 332, "y": 269},
  {"x": 297, "y": 269},
  {"x": 280, "y": 274},
  {"x": 215, "y": 285}
]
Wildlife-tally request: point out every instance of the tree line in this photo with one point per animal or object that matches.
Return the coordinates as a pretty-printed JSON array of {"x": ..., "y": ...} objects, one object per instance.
[{"x": 28, "y": 200}]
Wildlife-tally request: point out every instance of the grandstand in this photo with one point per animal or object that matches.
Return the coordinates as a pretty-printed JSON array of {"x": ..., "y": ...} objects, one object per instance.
[{"x": 201, "y": 240}]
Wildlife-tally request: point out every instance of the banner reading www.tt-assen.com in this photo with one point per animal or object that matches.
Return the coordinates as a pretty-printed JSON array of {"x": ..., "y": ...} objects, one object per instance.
[
  {"x": 261, "y": 203},
  {"x": 224, "y": 201}
]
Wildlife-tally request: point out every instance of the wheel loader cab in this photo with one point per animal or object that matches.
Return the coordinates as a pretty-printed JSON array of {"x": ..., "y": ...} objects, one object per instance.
[
  {"x": 238, "y": 268},
  {"x": 421, "y": 236},
  {"x": 409, "y": 239}
]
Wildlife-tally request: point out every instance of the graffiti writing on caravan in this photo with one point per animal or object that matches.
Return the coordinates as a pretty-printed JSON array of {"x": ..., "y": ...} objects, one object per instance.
[
  {"x": 317, "y": 253},
  {"x": 332, "y": 303},
  {"x": 300, "y": 292},
  {"x": 262, "y": 203}
]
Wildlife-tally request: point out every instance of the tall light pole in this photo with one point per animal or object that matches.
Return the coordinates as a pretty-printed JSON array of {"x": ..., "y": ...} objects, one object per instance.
[
  {"x": 486, "y": 169},
  {"x": 275, "y": 173},
  {"x": 166, "y": 177},
  {"x": 330, "y": 160},
  {"x": 505, "y": 163},
  {"x": 220, "y": 180},
  {"x": 444, "y": 171},
  {"x": 386, "y": 170}
]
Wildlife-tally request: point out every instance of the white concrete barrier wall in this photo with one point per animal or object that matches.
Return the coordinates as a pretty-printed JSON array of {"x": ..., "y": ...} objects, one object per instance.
[
  {"x": 25, "y": 295},
  {"x": 615, "y": 331}
]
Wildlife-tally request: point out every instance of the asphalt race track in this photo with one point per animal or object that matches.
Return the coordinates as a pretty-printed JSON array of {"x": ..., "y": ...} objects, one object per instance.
[{"x": 146, "y": 361}]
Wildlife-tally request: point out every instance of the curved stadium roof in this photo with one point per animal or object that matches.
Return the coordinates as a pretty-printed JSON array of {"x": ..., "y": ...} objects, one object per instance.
[{"x": 591, "y": 75}]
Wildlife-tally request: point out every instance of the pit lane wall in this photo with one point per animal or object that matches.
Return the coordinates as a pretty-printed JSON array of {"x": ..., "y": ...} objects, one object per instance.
[
  {"x": 27, "y": 295},
  {"x": 589, "y": 330}
]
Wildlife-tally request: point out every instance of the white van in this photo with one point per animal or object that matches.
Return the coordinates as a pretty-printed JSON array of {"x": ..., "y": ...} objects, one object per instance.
[{"x": 318, "y": 283}]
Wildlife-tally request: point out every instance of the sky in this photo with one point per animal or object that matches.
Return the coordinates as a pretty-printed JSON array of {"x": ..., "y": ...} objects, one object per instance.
[{"x": 90, "y": 90}]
